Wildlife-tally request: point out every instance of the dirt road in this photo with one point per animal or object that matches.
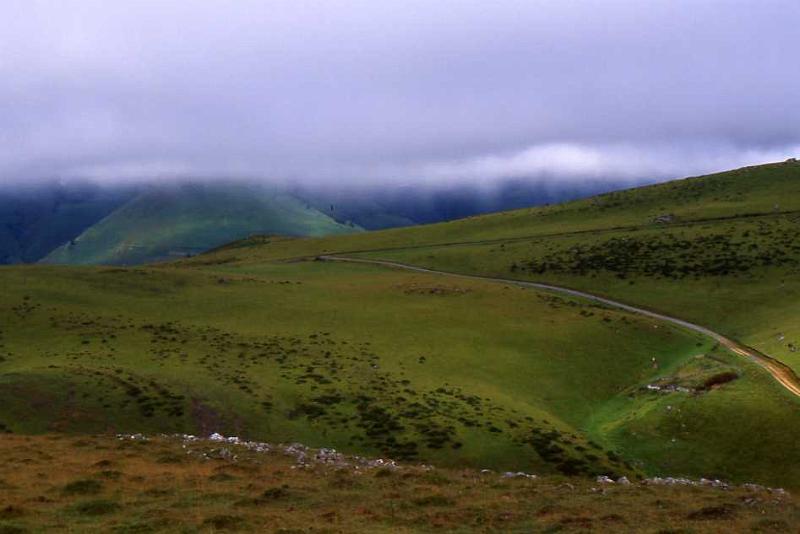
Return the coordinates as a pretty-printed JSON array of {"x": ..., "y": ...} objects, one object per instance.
[{"x": 779, "y": 371}]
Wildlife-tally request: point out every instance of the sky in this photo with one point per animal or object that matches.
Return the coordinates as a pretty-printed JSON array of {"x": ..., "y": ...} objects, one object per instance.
[{"x": 396, "y": 91}]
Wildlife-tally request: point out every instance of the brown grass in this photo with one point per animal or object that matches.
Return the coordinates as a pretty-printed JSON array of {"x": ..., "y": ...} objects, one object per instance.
[{"x": 62, "y": 483}]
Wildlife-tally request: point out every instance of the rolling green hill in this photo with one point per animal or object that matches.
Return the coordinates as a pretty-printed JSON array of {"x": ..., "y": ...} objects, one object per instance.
[
  {"x": 179, "y": 220},
  {"x": 359, "y": 358},
  {"x": 721, "y": 250},
  {"x": 258, "y": 339}
]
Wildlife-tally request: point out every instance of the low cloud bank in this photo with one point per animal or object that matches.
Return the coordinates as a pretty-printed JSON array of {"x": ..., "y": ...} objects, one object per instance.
[
  {"x": 556, "y": 164},
  {"x": 331, "y": 92},
  {"x": 569, "y": 162}
]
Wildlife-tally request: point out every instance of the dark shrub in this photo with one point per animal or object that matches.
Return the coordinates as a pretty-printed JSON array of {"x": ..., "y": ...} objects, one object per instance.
[
  {"x": 224, "y": 522},
  {"x": 83, "y": 487},
  {"x": 708, "y": 513},
  {"x": 275, "y": 493},
  {"x": 11, "y": 512},
  {"x": 97, "y": 507},
  {"x": 434, "y": 500}
]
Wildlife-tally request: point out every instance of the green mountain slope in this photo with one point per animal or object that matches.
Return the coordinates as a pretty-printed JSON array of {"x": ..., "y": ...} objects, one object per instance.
[
  {"x": 175, "y": 221},
  {"x": 722, "y": 251},
  {"x": 765, "y": 189},
  {"x": 360, "y": 358},
  {"x": 257, "y": 339}
]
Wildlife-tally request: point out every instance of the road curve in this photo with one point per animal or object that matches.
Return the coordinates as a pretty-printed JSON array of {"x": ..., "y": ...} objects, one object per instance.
[{"x": 782, "y": 373}]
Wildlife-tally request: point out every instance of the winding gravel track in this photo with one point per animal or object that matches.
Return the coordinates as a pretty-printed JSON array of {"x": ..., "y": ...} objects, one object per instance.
[{"x": 783, "y": 374}]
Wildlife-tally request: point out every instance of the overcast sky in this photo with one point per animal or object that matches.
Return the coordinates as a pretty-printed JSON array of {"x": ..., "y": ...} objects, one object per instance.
[{"x": 383, "y": 90}]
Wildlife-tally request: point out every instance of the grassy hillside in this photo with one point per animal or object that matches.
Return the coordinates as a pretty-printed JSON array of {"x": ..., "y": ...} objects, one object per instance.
[
  {"x": 721, "y": 250},
  {"x": 375, "y": 361},
  {"x": 103, "y": 484},
  {"x": 258, "y": 339},
  {"x": 178, "y": 220},
  {"x": 761, "y": 190},
  {"x": 359, "y": 358},
  {"x": 732, "y": 266}
]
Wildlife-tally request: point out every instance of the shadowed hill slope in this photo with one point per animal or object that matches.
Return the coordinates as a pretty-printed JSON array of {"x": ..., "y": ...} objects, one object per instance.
[{"x": 38, "y": 218}]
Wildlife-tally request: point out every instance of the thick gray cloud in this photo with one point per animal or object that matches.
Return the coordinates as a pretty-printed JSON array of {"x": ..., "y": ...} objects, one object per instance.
[{"x": 396, "y": 90}]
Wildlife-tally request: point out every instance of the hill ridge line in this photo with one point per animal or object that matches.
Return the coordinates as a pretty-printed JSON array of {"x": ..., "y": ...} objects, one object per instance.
[
  {"x": 609, "y": 229},
  {"x": 783, "y": 374}
]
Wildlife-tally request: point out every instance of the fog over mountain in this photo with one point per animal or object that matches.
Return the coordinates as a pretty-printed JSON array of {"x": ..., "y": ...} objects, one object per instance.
[{"x": 401, "y": 93}]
